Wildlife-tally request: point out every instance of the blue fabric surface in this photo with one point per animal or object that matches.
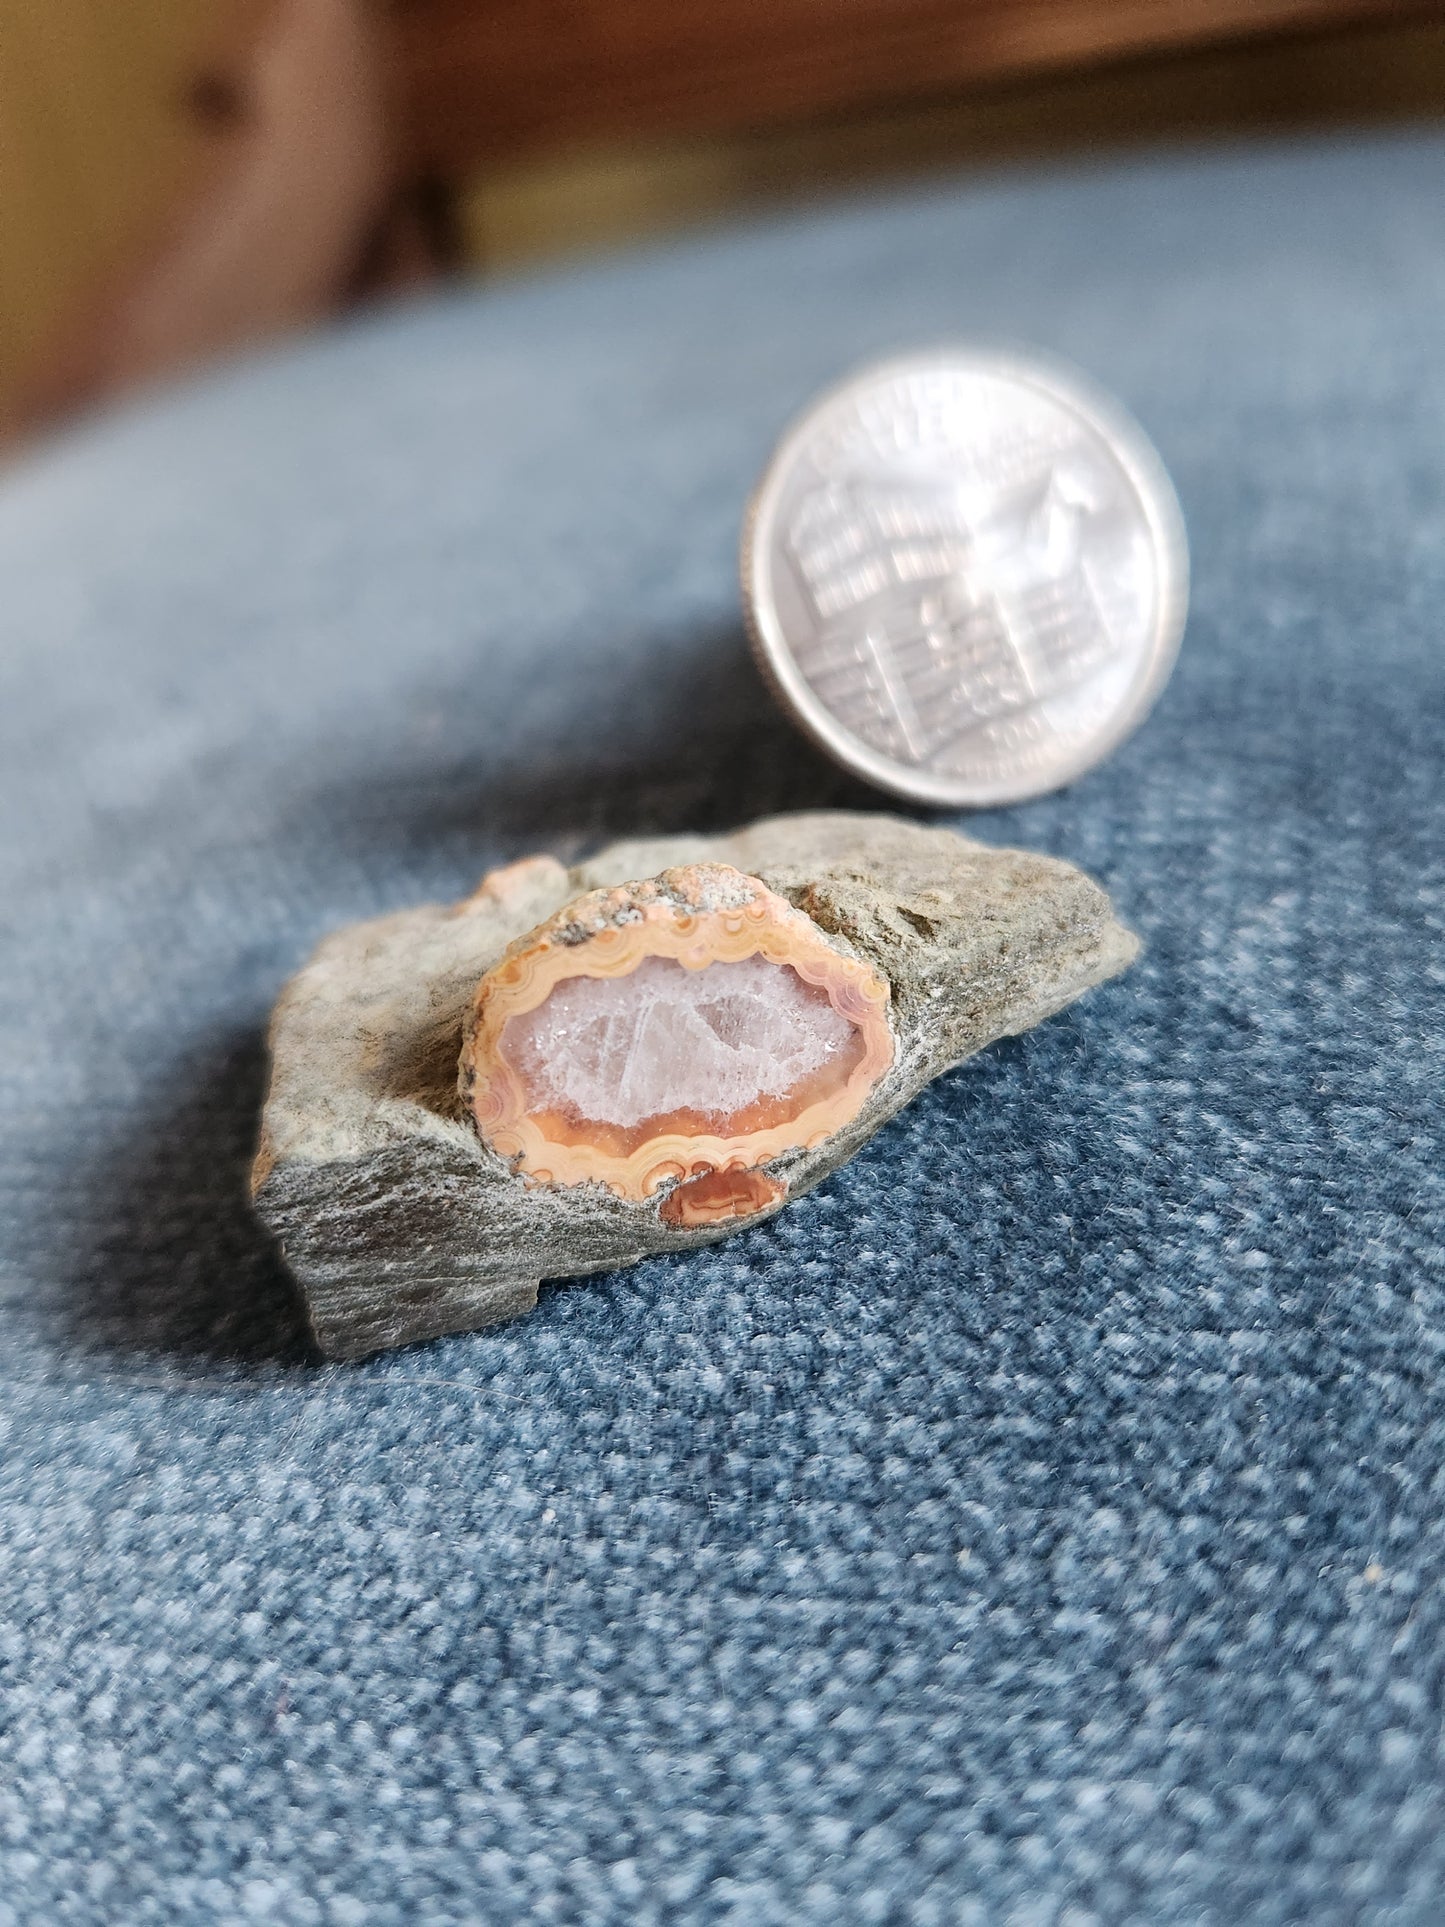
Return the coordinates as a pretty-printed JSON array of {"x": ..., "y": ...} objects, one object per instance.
[{"x": 1041, "y": 1523}]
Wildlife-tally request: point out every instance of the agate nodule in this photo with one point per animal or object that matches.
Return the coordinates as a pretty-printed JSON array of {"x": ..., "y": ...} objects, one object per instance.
[
  {"x": 667, "y": 1038},
  {"x": 400, "y": 1221}
]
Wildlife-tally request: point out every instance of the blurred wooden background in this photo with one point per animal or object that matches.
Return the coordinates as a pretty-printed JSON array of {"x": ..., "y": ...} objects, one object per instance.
[{"x": 180, "y": 177}]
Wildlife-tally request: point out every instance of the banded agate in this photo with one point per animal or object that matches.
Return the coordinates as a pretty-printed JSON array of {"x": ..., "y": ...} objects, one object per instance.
[{"x": 669, "y": 1039}]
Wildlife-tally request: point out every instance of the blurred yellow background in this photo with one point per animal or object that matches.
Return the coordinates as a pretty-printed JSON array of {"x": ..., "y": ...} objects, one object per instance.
[{"x": 94, "y": 140}]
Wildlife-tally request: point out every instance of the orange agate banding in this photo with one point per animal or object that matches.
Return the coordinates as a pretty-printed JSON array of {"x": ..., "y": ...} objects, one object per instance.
[{"x": 697, "y": 917}]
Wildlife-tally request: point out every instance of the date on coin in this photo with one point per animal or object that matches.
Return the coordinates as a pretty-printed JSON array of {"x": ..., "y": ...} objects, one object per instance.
[{"x": 965, "y": 574}]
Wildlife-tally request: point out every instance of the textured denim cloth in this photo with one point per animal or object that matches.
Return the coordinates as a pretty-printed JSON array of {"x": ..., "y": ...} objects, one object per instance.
[{"x": 1041, "y": 1523}]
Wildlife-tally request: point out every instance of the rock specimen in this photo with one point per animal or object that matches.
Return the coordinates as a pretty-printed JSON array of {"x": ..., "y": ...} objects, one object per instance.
[{"x": 573, "y": 1069}]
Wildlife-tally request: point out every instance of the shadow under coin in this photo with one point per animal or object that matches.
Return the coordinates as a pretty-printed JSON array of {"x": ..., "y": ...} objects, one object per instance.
[{"x": 700, "y": 746}]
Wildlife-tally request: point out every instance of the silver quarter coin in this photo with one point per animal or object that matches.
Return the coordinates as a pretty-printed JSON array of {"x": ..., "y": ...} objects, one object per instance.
[{"x": 965, "y": 573}]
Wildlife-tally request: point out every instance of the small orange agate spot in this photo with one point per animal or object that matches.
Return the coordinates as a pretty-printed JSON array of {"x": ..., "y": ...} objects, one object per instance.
[
  {"x": 666, "y": 1038},
  {"x": 715, "y": 1196}
]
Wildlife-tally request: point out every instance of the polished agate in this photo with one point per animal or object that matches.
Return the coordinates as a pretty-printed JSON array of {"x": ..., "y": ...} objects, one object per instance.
[{"x": 670, "y": 1038}]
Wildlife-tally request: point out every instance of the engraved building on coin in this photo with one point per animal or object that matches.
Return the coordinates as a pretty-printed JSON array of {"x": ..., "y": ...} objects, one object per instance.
[{"x": 966, "y": 577}]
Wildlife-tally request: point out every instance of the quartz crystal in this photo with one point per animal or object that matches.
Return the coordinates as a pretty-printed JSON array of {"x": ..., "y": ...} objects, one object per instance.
[{"x": 665, "y": 1042}]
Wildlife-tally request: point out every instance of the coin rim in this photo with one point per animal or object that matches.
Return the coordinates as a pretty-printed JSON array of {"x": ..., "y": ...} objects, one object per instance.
[{"x": 1164, "y": 519}]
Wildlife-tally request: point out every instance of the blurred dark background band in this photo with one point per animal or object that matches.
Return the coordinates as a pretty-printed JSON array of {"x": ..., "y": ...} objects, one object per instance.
[
  {"x": 486, "y": 79},
  {"x": 183, "y": 186}
]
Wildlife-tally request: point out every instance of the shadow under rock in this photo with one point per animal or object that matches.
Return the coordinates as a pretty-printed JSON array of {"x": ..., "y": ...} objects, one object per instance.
[{"x": 176, "y": 1265}]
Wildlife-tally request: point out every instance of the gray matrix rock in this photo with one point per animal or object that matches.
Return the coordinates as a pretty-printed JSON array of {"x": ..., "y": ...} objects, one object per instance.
[{"x": 398, "y": 1220}]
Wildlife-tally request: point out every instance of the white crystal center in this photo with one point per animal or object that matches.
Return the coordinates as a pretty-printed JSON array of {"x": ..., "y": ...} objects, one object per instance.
[{"x": 620, "y": 1050}]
